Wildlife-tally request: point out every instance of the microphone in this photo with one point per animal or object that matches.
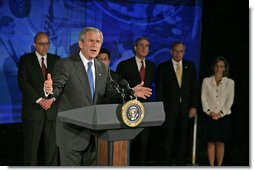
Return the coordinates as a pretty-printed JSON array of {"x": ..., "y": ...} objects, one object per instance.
[
  {"x": 128, "y": 91},
  {"x": 115, "y": 86},
  {"x": 119, "y": 90}
]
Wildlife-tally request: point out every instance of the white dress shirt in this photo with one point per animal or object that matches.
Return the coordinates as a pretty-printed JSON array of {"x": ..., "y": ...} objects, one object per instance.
[
  {"x": 138, "y": 61},
  {"x": 39, "y": 58},
  {"x": 218, "y": 99}
]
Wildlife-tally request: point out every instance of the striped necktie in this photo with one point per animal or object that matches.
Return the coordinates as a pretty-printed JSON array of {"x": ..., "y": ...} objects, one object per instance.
[{"x": 90, "y": 77}]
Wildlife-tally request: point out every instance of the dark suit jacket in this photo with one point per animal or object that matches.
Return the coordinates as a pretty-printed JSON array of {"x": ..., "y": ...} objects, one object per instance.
[
  {"x": 115, "y": 76},
  {"x": 169, "y": 92},
  {"x": 71, "y": 88},
  {"x": 129, "y": 71},
  {"x": 31, "y": 84}
]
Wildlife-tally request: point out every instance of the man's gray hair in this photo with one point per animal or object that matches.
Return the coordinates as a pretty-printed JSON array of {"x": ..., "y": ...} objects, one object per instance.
[{"x": 87, "y": 29}]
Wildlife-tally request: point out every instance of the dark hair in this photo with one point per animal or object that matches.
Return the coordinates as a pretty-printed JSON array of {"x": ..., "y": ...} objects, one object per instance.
[
  {"x": 103, "y": 50},
  {"x": 221, "y": 58},
  {"x": 174, "y": 44},
  {"x": 39, "y": 34},
  {"x": 139, "y": 39}
]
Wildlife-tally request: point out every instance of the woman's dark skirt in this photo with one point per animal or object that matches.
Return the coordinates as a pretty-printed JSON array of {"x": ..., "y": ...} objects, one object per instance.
[{"x": 217, "y": 130}]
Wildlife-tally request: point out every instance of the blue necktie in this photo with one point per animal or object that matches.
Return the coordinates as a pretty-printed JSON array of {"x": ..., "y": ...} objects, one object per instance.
[{"x": 90, "y": 77}]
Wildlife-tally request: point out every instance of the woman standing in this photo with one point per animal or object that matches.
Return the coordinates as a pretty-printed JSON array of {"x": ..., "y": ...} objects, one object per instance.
[{"x": 217, "y": 98}]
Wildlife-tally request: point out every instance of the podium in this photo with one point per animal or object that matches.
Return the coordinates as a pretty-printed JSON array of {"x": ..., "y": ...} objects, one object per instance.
[{"x": 106, "y": 123}]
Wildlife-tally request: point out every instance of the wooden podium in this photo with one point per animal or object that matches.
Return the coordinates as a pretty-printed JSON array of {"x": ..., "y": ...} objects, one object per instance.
[{"x": 113, "y": 136}]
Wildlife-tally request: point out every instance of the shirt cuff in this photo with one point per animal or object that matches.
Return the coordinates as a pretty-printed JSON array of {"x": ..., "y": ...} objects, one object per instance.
[
  {"x": 37, "y": 101},
  {"x": 221, "y": 114},
  {"x": 48, "y": 93},
  {"x": 208, "y": 112}
]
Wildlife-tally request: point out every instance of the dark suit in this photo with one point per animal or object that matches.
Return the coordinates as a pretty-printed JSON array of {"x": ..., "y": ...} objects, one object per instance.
[
  {"x": 129, "y": 71},
  {"x": 115, "y": 76},
  {"x": 38, "y": 124},
  {"x": 71, "y": 88},
  {"x": 174, "y": 131}
]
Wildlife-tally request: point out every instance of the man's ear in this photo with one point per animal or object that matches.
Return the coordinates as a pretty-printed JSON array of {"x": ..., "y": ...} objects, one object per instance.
[
  {"x": 135, "y": 48},
  {"x": 80, "y": 44}
]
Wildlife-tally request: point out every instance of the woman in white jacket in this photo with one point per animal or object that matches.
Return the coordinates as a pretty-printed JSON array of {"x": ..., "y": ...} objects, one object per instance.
[{"x": 217, "y": 97}]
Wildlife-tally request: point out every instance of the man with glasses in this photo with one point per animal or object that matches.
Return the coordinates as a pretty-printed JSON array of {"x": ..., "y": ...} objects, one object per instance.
[{"x": 38, "y": 120}]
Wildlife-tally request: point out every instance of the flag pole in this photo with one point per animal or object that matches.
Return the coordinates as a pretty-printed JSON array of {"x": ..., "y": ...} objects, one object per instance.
[{"x": 194, "y": 141}]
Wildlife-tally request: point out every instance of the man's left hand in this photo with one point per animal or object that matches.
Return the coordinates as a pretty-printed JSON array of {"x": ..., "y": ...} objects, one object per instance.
[
  {"x": 46, "y": 103},
  {"x": 142, "y": 92},
  {"x": 192, "y": 112}
]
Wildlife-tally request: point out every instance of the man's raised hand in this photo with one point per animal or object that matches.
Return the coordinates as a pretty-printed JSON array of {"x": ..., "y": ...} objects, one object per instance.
[
  {"x": 48, "y": 85},
  {"x": 141, "y": 91}
]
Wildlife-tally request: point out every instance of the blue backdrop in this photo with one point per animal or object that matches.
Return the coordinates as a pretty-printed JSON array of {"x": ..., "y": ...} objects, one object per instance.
[{"x": 121, "y": 22}]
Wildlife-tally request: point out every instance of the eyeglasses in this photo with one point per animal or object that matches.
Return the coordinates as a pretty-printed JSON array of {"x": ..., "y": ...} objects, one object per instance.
[{"x": 43, "y": 44}]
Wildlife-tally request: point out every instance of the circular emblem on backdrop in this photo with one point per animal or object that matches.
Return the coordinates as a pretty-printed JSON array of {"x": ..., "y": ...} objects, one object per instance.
[
  {"x": 133, "y": 113},
  {"x": 142, "y": 12},
  {"x": 20, "y": 8}
]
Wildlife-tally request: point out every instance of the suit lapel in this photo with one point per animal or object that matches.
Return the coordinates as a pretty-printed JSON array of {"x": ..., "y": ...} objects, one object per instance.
[
  {"x": 148, "y": 73},
  {"x": 83, "y": 78},
  {"x": 172, "y": 70},
  {"x": 36, "y": 67},
  {"x": 98, "y": 78},
  {"x": 136, "y": 75},
  {"x": 50, "y": 64},
  {"x": 185, "y": 71}
]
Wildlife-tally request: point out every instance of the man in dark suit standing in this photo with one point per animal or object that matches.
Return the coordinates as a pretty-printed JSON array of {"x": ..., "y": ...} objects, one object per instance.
[
  {"x": 104, "y": 56},
  {"x": 38, "y": 119},
  {"x": 135, "y": 70},
  {"x": 78, "y": 81},
  {"x": 176, "y": 87}
]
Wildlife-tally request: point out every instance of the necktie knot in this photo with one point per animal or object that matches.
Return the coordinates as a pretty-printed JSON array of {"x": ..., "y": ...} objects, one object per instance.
[
  {"x": 89, "y": 64},
  {"x": 177, "y": 66}
]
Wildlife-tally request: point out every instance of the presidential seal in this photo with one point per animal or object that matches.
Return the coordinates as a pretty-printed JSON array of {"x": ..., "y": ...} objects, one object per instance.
[{"x": 133, "y": 113}]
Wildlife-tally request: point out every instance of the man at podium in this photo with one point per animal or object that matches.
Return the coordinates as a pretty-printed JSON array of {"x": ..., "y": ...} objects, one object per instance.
[{"x": 78, "y": 81}]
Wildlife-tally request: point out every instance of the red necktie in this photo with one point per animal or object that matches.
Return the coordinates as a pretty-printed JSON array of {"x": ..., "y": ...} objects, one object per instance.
[
  {"x": 43, "y": 69},
  {"x": 142, "y": 71}
]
